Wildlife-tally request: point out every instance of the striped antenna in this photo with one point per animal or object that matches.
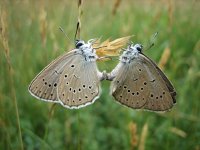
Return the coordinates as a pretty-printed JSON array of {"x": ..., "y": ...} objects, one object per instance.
[
  {"x": 61, "y": 29},
  {"x": 152, "y": 41}
]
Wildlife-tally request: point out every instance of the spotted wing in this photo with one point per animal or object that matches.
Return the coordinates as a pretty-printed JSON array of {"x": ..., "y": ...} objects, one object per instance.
[
  {"x": 44, "y": 85},
  {"x": 79, "y": 83},
  {"x": 168, "y": 83},
  {"x": 140, "y": 85}
]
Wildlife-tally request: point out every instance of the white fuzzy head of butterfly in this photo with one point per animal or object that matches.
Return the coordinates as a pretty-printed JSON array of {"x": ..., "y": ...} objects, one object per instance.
[
  {"x": 86, "y": 50},
  {"x": 131, "y": 53}
]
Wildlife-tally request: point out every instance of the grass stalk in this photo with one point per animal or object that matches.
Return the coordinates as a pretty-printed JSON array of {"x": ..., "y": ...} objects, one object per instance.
[{"x": 6, "y": 50}]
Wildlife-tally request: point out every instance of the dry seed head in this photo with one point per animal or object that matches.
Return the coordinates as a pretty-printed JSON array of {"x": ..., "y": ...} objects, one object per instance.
[
  {"x": 164, "y": 58},
  {"x": 111, "y": 48}
]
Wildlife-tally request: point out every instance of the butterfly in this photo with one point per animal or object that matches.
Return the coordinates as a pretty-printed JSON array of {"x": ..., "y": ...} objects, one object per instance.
[
  {"x": 72, "y": 79},
  {"x": 137, "y": 82}
]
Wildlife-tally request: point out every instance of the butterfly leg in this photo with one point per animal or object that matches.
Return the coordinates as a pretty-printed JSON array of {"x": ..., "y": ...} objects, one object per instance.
[
  {"x": 102, "y": 75},
  {"x": 110, "y": 76}
]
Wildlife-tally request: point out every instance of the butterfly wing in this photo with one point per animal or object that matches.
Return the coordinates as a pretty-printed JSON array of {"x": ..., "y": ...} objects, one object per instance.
[
  {"x": 79, "y": 83},
  {"x": 44, "y": 85},
  {"x": 140, "y": 85},
  {"x": 163, "y": 90},
  {"x": 127, "y": 88},
  {"x": 168, "y": 83}
]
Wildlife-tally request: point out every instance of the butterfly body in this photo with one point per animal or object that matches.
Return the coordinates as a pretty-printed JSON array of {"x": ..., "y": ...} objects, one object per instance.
[
  {"x": 73, "y": 79},
  {"x": 86, "y": 50},
  {"x": 138, "y": 83},
  {"x": 129, "y": 55}
]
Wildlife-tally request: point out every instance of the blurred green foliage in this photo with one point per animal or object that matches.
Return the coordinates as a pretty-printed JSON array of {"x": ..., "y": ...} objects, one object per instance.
[{"x": 34, "y": 40}]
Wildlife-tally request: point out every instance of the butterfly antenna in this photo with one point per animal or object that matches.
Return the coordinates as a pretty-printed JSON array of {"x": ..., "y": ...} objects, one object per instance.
[
  {"x": 61, "y": 29},
  {"x": 152, "y": 41}
]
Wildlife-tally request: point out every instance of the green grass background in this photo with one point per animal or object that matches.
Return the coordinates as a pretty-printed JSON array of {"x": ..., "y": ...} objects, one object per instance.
[{"x": 105, "y": 125}]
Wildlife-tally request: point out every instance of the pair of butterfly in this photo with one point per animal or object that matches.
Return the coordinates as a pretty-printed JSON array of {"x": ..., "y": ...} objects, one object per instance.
[{"x": 73, "y": 80}]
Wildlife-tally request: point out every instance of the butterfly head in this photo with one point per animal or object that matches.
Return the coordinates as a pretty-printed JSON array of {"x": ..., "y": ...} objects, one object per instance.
[
  {"x": 79, "y": 43},
  {"x": 132, "y": 52},
  {"x": 86, "y": 49},
  {"x": 136, "y": 48}
]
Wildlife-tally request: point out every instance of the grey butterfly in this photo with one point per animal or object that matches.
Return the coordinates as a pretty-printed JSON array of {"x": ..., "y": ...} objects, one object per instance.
[
  {"x": 73, "y": 79},
  {"x": 139, "y": 83}
]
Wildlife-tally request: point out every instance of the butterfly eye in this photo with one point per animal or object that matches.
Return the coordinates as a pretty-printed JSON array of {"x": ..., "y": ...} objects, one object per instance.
[
  {"x": 139, "y": 49},
  {"x": 79, "y": 44}
]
